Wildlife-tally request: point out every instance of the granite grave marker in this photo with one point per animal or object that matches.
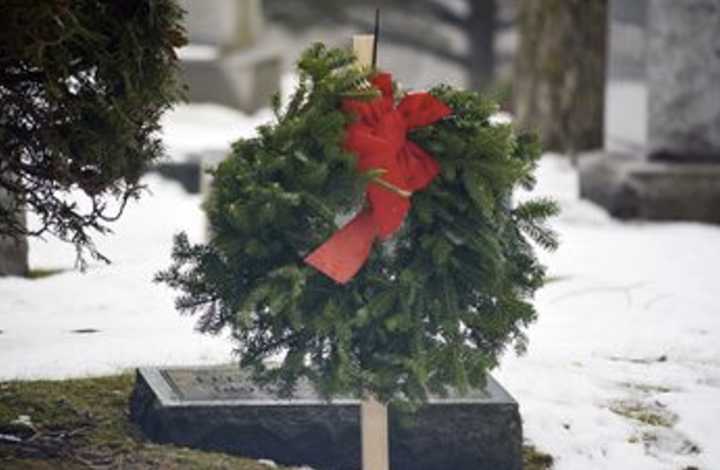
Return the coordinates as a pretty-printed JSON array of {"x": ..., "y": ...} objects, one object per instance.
[{"x": 219, "y": 408}]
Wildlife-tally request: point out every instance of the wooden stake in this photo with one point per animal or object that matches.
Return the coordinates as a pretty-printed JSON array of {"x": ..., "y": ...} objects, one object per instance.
[
  {"x": 363, "y": 45},
  {"x": 373, "y": 414},
  {"x": 374, "y": 423}
]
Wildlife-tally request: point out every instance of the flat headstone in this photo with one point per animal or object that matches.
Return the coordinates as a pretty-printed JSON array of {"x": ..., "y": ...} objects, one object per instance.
[{"x": 219, "y": 408}]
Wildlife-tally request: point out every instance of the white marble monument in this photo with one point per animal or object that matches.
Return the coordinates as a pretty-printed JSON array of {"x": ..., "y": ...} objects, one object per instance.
[{"x": 662, "y": 126}]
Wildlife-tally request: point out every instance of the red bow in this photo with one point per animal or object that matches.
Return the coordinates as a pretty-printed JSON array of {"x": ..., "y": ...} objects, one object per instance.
[{"x": 379, "y": 139}]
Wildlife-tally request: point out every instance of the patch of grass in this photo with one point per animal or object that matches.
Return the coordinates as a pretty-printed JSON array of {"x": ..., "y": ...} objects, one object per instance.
[
  {"x": 646, "y": 388},
  {"x": 645, "y": 414},
  {"x": 652, "y": 439},
  {"x": 533, "y": 459},
  {"x": 640, "y": 360},
  {"x": 84, "y": 423},
  {"x": 40, "y": 273},
  {"x": 648, "y": 439}
]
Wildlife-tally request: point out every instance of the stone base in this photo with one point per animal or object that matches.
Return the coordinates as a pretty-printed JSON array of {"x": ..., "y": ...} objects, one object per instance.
[
  {"x": 13, "y": 251},
  {"x": 219, "y": 409},
  {"x": 632, "y": 188},
  {"x": 244, "y": 80},
  {"x": 188, "y": 174},
  {"x": 13, "y": 256},
  {"x": 192, "y": 172}
]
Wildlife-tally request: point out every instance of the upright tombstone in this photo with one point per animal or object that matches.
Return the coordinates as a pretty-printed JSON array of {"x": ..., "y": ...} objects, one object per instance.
[
  {"x": 226, "y": 61},
  {"x": 13, "y": 251},
  {"x": 662, "y": 124}
]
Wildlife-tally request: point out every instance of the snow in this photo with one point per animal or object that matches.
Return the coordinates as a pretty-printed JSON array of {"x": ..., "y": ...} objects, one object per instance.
[
  {"x": 629, "y": 321},
  {"x": 191, "y": 129},
  {"x": 135, "y": 317}
]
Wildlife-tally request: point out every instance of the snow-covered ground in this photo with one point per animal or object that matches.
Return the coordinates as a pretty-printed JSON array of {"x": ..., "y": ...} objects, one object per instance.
[
  {"x": 630, "y": 325},
  {"x": 134, "y": 316}
]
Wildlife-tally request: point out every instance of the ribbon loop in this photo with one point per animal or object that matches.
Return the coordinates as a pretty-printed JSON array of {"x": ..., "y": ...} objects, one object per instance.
[{"x": 379, "y": 139}]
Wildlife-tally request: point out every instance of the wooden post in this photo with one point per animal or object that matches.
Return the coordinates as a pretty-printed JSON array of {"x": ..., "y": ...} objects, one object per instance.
[
  {"x": 374, "y": 423},
  {"x": 373, "y": 414},
  {"x": 363, "y": 48}
]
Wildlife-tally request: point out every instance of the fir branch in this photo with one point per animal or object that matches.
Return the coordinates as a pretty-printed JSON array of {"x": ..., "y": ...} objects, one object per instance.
[{"x": 434, "y": 311}]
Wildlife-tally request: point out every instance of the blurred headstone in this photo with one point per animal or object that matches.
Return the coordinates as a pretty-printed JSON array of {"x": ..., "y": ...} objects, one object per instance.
[
  {"x": 662, "y": 125},
  {"x": 230, "y": 24},
  {"x": 13, "y": 251},
  {"x": 227, "y": 62}
]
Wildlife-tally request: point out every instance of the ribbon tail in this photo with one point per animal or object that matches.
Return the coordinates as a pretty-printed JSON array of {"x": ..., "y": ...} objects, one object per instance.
[{"x": 343, "y": 254}]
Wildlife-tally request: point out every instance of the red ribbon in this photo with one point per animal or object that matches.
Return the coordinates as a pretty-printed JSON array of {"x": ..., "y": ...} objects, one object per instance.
[{"x": 379, "y": 139}]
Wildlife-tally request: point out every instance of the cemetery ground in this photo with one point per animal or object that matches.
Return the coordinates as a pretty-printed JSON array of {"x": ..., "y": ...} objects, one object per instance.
[
  {"x": 622, "y": 369},
  {"x": 83, "y": 423}
]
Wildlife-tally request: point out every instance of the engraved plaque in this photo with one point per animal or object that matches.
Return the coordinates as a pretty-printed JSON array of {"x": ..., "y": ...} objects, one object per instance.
[
  {"x": 228, "y": 383},
  {"x": 212, "y": 384},
  {"x": 231, "y": 383}
]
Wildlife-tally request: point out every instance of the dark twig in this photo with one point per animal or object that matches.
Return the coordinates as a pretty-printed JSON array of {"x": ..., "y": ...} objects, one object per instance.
[{"x": 376, "y": 38}]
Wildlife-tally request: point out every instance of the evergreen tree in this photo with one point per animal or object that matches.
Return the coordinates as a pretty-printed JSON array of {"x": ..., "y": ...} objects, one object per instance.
[
  {"x": 82, "y": 86},
  {"x": 434, "y": 307}
]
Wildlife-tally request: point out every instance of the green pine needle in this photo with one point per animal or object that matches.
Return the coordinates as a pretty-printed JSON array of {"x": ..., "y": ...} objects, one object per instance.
[{"x": 433, "y": 308}]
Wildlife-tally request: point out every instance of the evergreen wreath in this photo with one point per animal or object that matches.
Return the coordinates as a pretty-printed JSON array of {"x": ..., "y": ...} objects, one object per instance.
[{"x": 432, "y": 308}]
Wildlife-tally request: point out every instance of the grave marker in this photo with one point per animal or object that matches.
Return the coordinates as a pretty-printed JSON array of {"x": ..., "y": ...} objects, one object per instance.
[
  {"x": 219, "y": 408},
  {"x": 662, "y": 127}
]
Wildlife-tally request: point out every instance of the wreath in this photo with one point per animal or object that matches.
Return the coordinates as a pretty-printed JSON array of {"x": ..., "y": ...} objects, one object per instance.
[{"x": 367, "y": 238}]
